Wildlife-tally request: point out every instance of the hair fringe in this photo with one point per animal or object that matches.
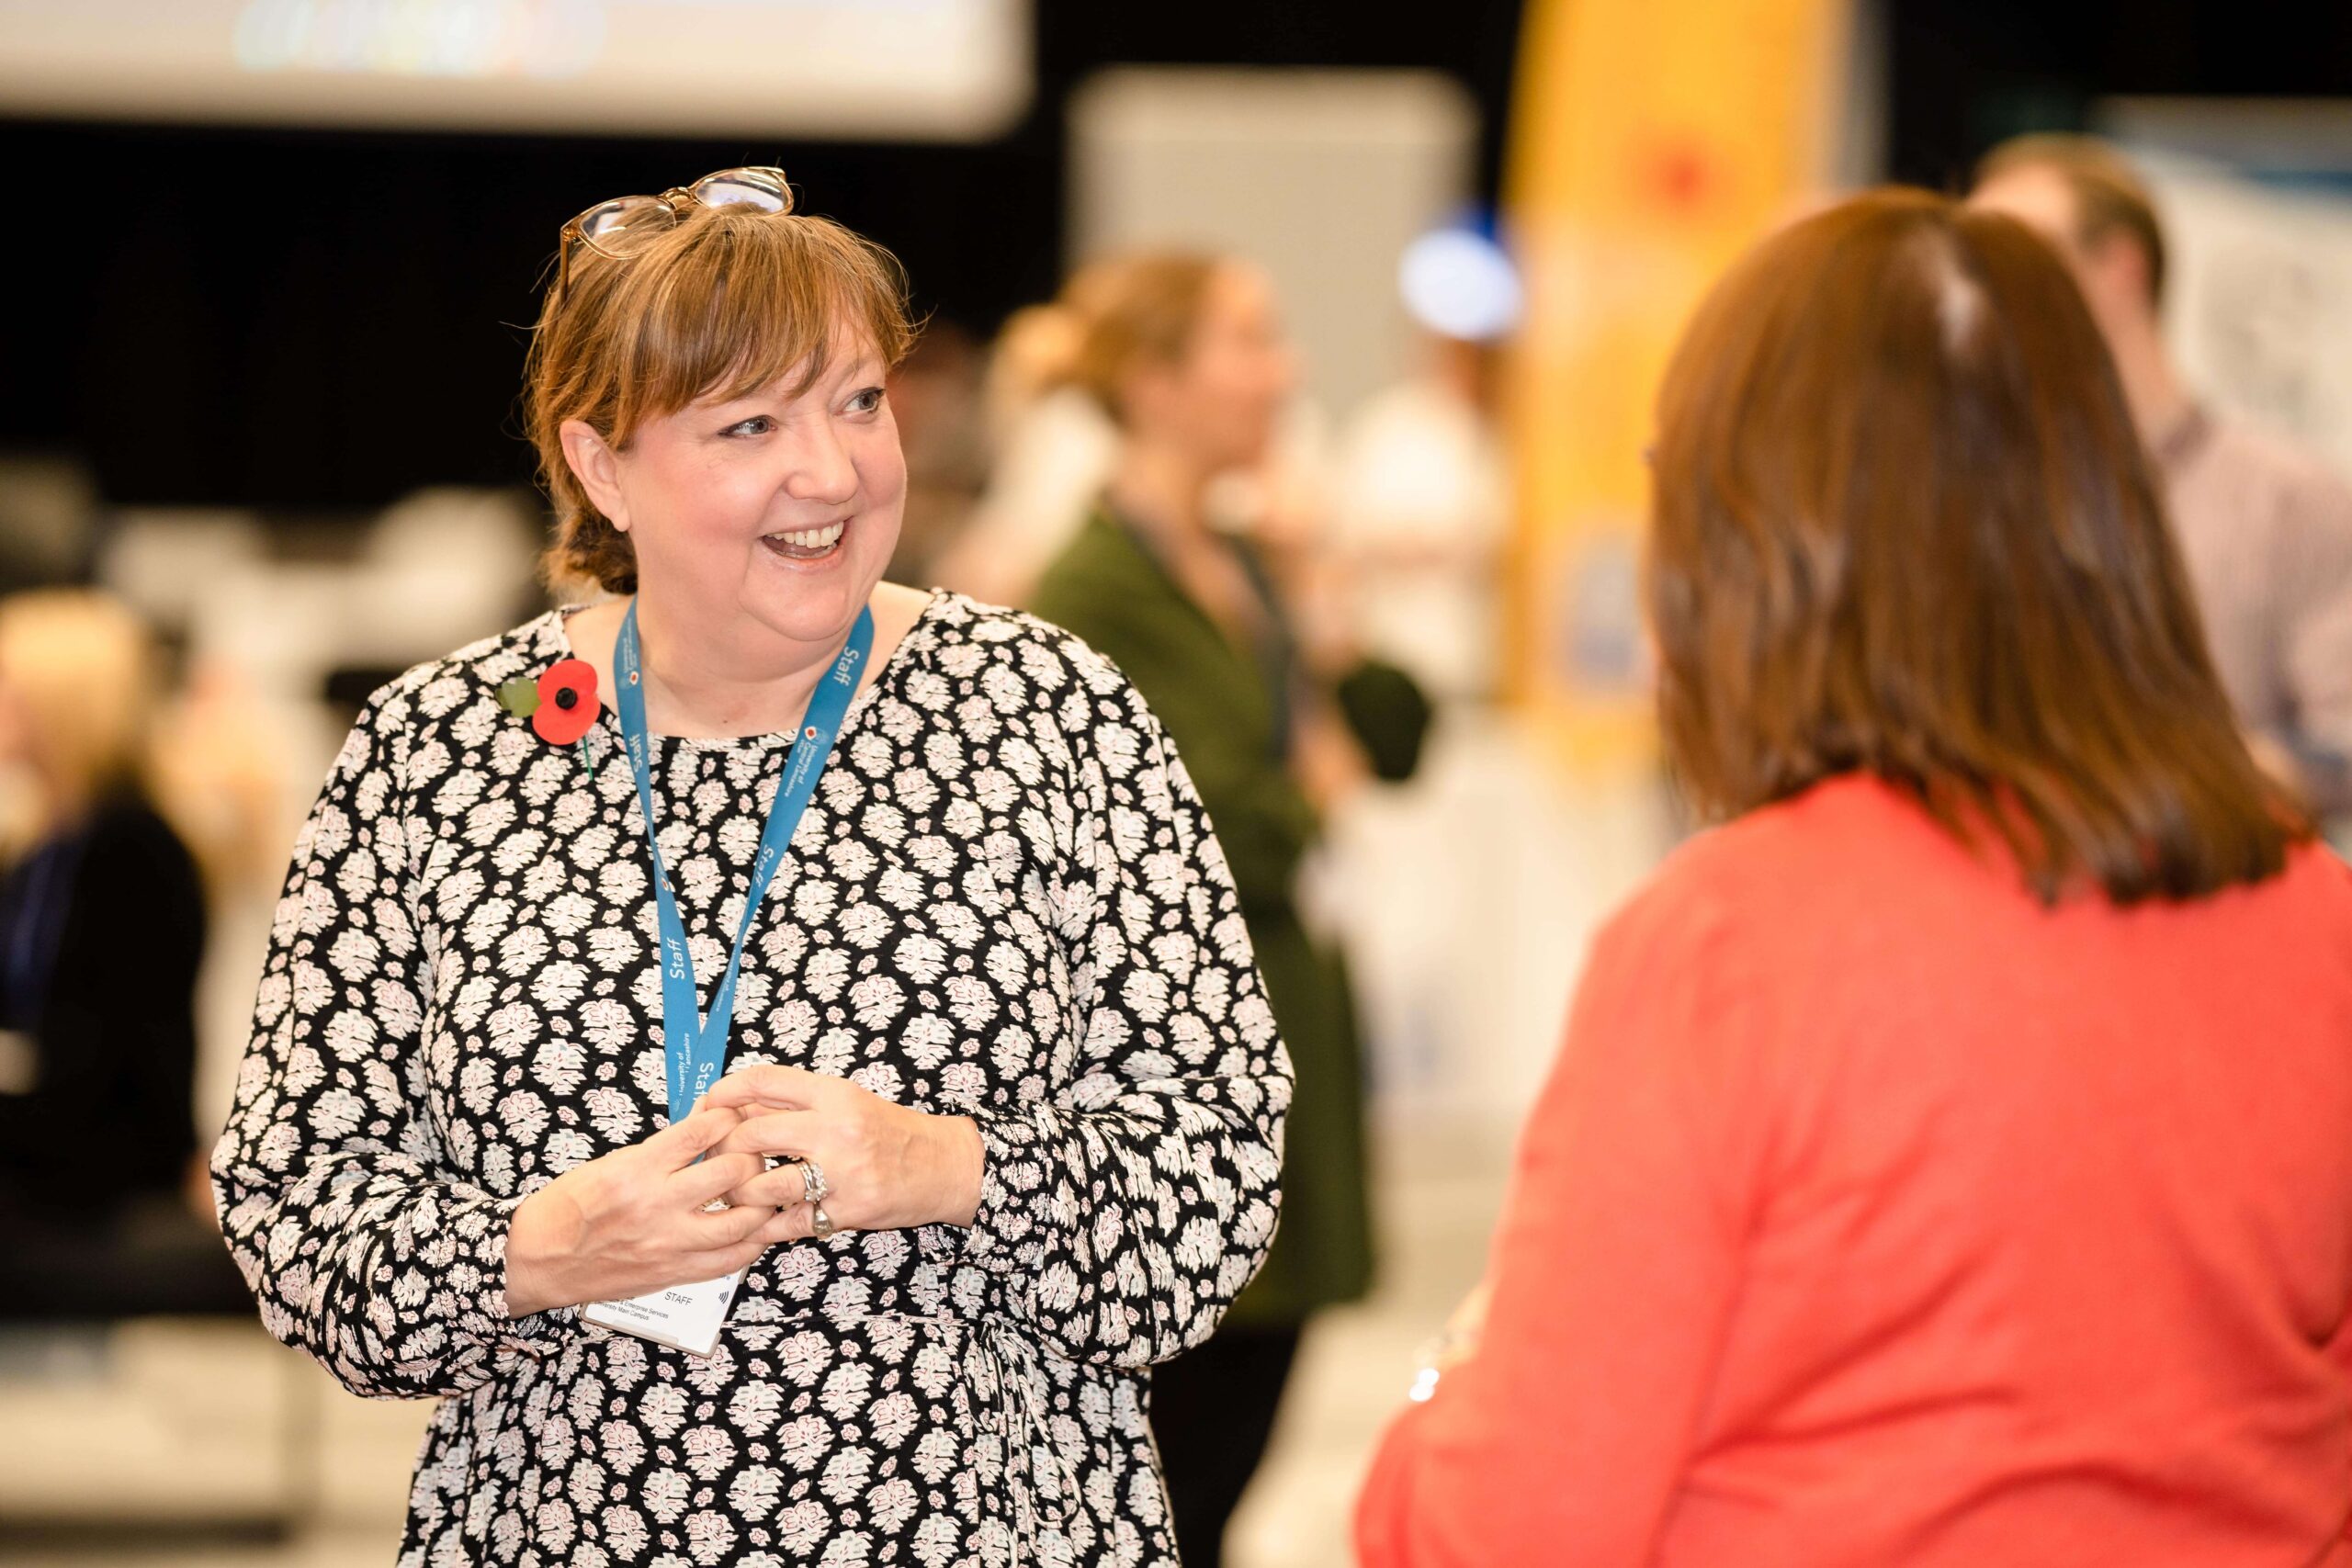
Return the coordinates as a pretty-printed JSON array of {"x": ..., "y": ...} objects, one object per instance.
[{"x": 727, "y": 301}]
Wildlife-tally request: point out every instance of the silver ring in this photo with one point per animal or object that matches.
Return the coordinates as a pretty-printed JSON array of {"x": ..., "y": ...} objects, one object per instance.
[
  {"x": 825, "y": 1221},
  {"x": 814, "y": 1188}
]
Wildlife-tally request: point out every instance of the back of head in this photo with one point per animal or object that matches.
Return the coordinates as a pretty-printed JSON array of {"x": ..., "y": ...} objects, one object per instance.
[
  {"x": 1125, "y": 312},
  {"x": 728, "y": 301},
  {"x": 1031, "y": 355},
  {"x": 1903, "y": 525},
  {"x": 2109, "y": 197}
]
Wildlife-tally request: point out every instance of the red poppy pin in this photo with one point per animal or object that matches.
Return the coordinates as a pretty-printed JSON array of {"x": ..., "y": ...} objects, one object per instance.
[{"x": 561, "y": 705}]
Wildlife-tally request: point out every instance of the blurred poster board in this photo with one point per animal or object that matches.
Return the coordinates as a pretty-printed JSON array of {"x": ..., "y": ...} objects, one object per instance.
[
  {"x": 899, "y": 69},
  {"x": 2256, "y": 200},
  {"x": 1323, "y": 177},
  {"x": 1651, "y": 144}
]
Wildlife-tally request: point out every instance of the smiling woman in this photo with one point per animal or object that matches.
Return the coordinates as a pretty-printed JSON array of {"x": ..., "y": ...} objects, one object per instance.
[
  {"x": 793, "y": 1144},
  {"x": 704, "y": 346}
]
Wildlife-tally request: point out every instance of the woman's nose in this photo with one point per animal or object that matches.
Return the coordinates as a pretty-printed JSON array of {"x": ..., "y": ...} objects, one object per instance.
[{"x": 823, "y": 469}]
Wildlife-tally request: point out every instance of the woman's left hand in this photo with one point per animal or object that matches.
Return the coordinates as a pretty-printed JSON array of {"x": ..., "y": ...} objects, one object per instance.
[{"x": 886, "y": 1167}]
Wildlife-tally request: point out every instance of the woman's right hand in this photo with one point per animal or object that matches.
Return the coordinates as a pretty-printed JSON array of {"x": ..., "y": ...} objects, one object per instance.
[{"x": 635, "y": 1221}]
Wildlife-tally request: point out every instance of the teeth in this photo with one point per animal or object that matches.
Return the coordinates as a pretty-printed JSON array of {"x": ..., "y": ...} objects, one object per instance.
[{"x": 811, "y": 538}]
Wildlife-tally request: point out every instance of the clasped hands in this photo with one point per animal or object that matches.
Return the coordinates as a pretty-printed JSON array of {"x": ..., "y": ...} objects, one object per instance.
[{"x": 641, "y": 1218}]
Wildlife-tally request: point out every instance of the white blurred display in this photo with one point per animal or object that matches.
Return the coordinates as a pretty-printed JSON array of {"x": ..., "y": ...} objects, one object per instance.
[
  {"x": 2256, "y": 200},
  {"x": 2261, "y": 307},
  {"x": 941, "y": 69}
]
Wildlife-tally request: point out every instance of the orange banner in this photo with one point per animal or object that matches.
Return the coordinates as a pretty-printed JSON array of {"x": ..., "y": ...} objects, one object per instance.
[{"x": 1653, "y": 140}]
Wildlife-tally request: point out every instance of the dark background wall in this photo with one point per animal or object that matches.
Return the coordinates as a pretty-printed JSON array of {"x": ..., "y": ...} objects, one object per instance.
[
  {"x": 1963, "y": 74},
  {"x": 318, "y": 320},
  {"x": 313, "y": 321}
]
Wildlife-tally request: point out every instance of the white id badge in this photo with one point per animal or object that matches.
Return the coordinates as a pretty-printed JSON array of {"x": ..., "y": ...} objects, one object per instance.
[{"x": 684, "y": 1317}]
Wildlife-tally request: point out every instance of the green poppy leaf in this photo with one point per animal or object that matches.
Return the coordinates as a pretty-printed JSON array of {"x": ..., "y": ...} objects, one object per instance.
[{"x": 520, "y": 696}]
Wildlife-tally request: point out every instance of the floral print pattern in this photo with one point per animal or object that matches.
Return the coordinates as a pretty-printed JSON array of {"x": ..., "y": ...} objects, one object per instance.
[{"x": 1004, "y": 901}]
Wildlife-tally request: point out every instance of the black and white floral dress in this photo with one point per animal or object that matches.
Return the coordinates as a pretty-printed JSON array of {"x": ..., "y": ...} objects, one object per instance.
[{"x": 1004, "y": 901}]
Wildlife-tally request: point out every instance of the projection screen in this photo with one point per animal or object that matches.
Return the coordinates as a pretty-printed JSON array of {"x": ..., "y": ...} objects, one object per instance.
[{"x": 865, "y": 69}]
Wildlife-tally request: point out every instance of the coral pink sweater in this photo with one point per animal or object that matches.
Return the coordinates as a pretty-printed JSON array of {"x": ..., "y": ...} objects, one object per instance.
[{"x": 1875, "y": 1215}]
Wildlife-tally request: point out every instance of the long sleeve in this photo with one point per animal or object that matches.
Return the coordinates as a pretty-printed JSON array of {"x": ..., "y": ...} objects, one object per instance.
[
  {"x": 338, "y": 1202},
  {"x": 1612, "y": 1275},
  {"x": 1128, "y": 1212},
  {"x": 1211, "y": 705},
  {"x": 1265, "y": 823}
]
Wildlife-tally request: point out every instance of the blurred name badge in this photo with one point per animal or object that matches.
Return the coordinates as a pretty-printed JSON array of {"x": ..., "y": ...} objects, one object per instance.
[{"x": 683, "y": 1317}]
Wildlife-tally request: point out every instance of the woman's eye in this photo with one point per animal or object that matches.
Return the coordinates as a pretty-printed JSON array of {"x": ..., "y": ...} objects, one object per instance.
[
  {"x": 758, "y": 424},
  {"x": 866, "y": 401}
]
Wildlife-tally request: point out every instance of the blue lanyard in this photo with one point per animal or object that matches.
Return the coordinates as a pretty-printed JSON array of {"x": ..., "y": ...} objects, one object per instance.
[{"x": 697, "y": 1047}]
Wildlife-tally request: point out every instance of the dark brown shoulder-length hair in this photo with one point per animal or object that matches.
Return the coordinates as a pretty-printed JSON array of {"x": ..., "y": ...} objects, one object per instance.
[{"x": 1903, "y": 525}]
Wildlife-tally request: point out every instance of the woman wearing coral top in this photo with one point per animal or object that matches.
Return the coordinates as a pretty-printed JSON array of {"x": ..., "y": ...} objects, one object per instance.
[{"x": 1950, "y": 1164}]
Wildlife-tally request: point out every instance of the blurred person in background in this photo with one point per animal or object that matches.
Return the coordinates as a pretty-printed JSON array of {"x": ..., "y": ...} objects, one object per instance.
[
  {"x": 1418, "y": 519},
  {"x": 1184, "y": 354},
  {"x": 1422, "y": 507},
  {"x": 952, "y": 1159},
  {"x": 2266, "y": 528},
  {"x": 102, "y": 930},
  {"x": 935, "y": 398},
  {"x": 1946, "y": 1162},
  {"x": 1421, "y": 489},
  {"x": 1052, "y": 447}
]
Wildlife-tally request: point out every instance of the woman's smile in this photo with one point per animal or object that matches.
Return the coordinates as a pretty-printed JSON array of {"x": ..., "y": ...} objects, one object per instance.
[
  {"x": 705, "y": 391},
  {"x": 807, "y": 545}
]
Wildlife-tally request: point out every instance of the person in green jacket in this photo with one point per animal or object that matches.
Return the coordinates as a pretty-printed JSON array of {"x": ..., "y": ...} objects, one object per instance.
[{"x": 1185, "y": 353}]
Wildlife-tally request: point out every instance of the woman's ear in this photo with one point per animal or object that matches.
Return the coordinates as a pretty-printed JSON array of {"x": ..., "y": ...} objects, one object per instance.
[{"x": 592, "y": 461}]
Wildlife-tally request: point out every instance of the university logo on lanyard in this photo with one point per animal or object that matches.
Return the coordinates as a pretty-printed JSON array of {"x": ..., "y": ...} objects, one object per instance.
[{"x": 695, "y": 1046}]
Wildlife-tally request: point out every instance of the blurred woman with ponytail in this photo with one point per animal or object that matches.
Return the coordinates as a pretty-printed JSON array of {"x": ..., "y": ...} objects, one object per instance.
[{"x": 1185, "y": 355}]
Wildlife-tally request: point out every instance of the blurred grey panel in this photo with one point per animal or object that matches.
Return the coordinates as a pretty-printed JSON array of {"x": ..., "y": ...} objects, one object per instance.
[{"x": 1320, "y": 176}]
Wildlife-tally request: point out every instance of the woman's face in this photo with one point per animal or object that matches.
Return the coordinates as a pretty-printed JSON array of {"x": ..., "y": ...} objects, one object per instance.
[
  {"x": 1221, "y": 401},
  {"x": 777, "y": 508}
]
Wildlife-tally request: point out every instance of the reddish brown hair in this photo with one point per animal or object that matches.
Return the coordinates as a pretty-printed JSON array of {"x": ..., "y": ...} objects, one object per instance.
[
  {"x": 1129, "y": 311},
  {"x": 1903, "y": 525},
  {"x": 724, "y": 303}
]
